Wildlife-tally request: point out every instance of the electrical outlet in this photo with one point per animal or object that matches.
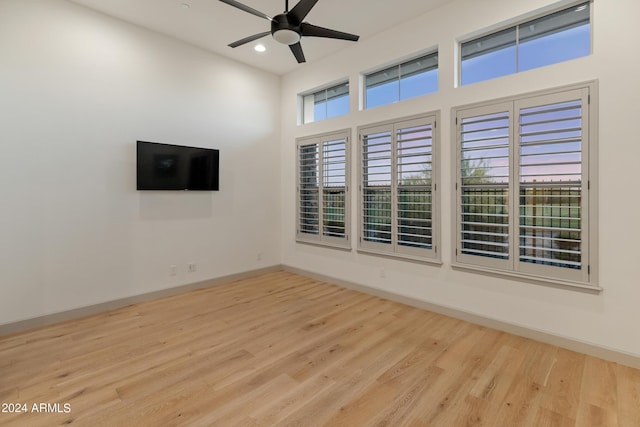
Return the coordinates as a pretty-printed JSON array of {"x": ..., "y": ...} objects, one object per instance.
[
  {"x": 173, "y": 270},
  {"x": 383, "y": 273},
  {"x": 192, "y": 267},
  {"x": 259, "y": 256}
]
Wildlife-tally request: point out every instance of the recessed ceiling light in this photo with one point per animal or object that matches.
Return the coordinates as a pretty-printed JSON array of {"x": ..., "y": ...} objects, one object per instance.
[
  {"x": 259, "y": 48},
  {"x": 185, "y": 5}
]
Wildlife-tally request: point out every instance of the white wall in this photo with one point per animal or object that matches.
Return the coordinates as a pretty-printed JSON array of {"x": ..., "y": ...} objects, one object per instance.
[
  {"x": 609, "y": 319},
  {"x": 77, "y": 89}
]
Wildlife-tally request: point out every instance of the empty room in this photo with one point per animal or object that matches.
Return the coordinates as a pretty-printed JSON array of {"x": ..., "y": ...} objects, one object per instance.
[{"x": 319, "y": 213}]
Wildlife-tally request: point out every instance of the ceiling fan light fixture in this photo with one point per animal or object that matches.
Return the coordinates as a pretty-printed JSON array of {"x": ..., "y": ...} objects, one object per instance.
[{"x": 286, "y": 36}]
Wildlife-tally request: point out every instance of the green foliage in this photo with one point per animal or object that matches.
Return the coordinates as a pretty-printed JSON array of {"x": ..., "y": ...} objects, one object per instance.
[
  {"x": 422, "y": 178},
  {"x": 474, "y": 171}
]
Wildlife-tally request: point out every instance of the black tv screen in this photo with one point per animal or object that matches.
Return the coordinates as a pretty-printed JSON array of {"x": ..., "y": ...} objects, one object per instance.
[{"x": 176, "y": 167}]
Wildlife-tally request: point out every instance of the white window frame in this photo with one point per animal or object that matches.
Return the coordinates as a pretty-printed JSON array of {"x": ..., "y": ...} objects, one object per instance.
[
  {"x": 394, "y": 249},
  {"x": 322, "y": 141},
  {"x": 587, "y": 275},
  {"x": 515, "y": 23},
  {"x": 398, "y": 64},
  {"x": 307, "y": 104}
]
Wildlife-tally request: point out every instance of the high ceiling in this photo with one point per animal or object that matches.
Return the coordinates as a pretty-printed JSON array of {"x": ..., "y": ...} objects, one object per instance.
[{"x": 212, "y": 25}]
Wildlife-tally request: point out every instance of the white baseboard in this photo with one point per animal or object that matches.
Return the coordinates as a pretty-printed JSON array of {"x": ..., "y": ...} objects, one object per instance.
[
  {"x": 49, "y": 319},
  {"x": 590, "y": 349}
]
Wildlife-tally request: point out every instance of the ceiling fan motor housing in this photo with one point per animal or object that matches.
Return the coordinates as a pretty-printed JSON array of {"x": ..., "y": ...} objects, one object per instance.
[{"x": 285, "y": 30}]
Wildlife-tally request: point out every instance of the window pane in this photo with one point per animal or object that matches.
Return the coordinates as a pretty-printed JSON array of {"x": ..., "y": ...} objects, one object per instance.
[
  {"x": 489, "y": 57},
  {"x": 319, "y": 111},
  {"x": 337, "y": 106},
  {"x": 557, "y": 47},
  {"x": 381, "y": 87},
  {"x": 403, "y": 81},
  {"x": 418, "y": 84},
  {"x": 326, "y": 103},
  {"x": 557, "y": 37},
  {"x": 382, "y": 77},
  {"x": 382, "y": 94}
]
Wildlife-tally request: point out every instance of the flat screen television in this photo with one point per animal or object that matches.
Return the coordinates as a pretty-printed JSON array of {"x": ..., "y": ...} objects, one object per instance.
[{"x": 176, "y": 167}]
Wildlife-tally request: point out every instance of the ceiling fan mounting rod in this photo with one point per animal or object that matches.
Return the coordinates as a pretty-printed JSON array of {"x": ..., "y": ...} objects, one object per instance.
[{"x": 286, "y": 6}]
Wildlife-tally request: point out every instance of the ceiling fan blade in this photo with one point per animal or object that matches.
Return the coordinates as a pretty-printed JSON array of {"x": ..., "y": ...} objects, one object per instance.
[
  {"x": 246, "y": 9},
  {"x": 249, "y": 39},
  {"x": 302, "y": 9},
  {"x": 296, "y": 49},
  {"x": 308, "y": 30}
]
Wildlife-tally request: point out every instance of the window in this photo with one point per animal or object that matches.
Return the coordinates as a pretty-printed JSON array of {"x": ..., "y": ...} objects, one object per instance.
[
  {"x": 323, "y": 190},
  {"x": 523, "y": 186},
  {"x": 556, "y": 37},
  {"x": 326, "y": 103},
  {"x": 398, "y": 188},
  {"x": 403, "y": 81}
]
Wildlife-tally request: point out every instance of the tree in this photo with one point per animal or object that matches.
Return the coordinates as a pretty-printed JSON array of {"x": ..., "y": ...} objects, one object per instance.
[{"x": 474, "y": 171}]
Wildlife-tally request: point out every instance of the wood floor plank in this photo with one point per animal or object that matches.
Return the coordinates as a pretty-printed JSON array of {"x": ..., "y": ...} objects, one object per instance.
[
  {"x": 599, "y": 394},
  {"x": 562, "y": 393},
  {"x": 281, "y": 349},
  {"x": 523, "y": 398},
  {"x": 284, "y": 404},
  {"x": 628, "y": 387}
]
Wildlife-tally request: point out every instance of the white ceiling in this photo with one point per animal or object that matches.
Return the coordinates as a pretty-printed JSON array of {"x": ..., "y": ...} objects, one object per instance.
[{"x": 212, "y": 25}]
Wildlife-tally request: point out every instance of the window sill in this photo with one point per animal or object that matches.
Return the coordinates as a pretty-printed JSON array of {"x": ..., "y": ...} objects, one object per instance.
[
  {"x": 545, "y": 281},
  {"x": 346, "y": 247},
  {"x": 402, "y": 257}
]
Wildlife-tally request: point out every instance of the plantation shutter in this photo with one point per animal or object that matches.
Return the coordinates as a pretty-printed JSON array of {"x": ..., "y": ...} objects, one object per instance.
[
  {"x": 322, "y": 189},
  {"x": 334, "y": 178},
  {"x": 397, "y": 188},
  {"x": 523, "y": 186},
  {"x": 483, "y": 189},
  {"x": 377, "y": 153},
  {"x": 308, "y": 189},
  {"x": 552, "y": 135},
  {"x": 414, "y": 196}
]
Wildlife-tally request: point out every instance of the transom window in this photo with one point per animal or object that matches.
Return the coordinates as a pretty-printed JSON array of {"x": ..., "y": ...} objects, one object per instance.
[
  {"x": 323, "y": 190},
  {"x": 556, "y": 37},
  {"x": 326, "y": 103},
  {"x": 402, "y": 81},
  {"x": 523, "y": 185},
  {"x": 398, "y": 202}
]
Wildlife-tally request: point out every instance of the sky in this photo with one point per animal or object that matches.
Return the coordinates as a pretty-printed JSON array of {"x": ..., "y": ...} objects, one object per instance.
[{"x": 534, "y": 53}]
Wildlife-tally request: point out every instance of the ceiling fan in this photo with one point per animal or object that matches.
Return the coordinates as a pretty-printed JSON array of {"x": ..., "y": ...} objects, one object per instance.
[{"x": 288, "y": 27}]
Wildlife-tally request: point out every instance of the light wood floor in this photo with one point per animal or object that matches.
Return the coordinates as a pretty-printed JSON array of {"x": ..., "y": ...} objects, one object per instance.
[{"x": 282, "y": 349}]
